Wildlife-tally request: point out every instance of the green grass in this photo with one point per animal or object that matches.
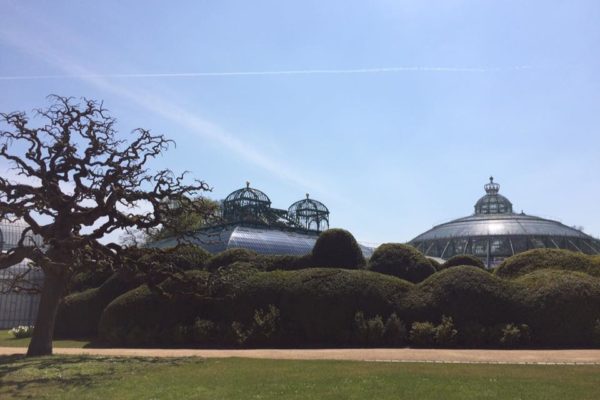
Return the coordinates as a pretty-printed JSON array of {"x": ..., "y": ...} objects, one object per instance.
[
  {"x": 7, "y": 340},
  {"x": 79, "y": 377}
]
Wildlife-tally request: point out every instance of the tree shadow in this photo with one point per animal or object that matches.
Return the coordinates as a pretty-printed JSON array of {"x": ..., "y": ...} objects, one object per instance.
[{"x": 66, "y": 375}]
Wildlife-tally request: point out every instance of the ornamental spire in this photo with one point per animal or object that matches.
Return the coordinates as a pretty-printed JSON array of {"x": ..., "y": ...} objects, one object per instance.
[{"x": 492, "y": 187}]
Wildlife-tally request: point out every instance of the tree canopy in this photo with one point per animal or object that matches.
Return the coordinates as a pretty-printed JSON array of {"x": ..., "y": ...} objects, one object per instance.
[{"x": 77, "y": 181}]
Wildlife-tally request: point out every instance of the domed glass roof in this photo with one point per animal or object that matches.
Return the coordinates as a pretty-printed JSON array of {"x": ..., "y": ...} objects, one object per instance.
[
  {"x": 494, "y": 232},
  {"x": 492, "y": 202},
  {"x": 248, "y": 195},
  {"x": 309, "y": 214},
  {"x": 247, "y": 204}
]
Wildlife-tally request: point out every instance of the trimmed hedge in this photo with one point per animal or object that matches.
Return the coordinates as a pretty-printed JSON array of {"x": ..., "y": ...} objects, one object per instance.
[
  {"x": 252, "y": 300},
  {"x": 284, "y": 262},
  {"x": 560, "y": 307},
  {"x": 317, "y": 306},
  {"x": 78, "y": 314},
  {"x": 88, "y": 280},
  {"x": 229, "y": 257},
  {"x": 337, "y": 248},
  {"x": 435, "y": 264},
  {"x": 183, "y": 257},
  {"x": 463, "y": 259},
  {"x": 466, "y": 294},
  {"x": 402, "y": 261},
  {"x": 150, "y": 316},
  {"x": 532, "y": 260}
]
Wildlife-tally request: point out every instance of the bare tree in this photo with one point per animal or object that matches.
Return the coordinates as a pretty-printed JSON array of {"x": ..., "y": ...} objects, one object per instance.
[{"x": 79, "y": 183}]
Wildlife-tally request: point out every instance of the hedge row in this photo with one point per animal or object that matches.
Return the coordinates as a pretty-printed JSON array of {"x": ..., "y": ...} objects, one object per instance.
[
  {"x": 317, "y": 307},
  {"x": 557, "y": 259},
  {"x": 79, "y": 313}
]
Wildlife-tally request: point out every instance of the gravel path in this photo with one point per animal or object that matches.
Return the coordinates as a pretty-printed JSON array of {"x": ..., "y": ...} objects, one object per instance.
[{"x": 383, "y": 355}]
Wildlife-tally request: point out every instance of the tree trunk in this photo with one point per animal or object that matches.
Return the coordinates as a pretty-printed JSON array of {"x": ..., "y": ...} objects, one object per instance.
[{"x": 43, "y": 331}]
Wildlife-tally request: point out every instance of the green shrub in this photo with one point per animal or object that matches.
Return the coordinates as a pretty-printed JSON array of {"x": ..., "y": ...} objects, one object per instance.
[
  {"x": 394, "y": 333},
  {"x": 182, "y": 257},
  {"x": 337, "y": 248},
  {"x": 179, "y": 335},
  {"x": 445, "y": 333},
  {"x": 596, "y": 333},
  {"x": 79, "y": 313},
  {"x": 21, "y": 331},
  {"x": 234, "y": 294},
  {"x": 510, "y": 335},
  {"x": 88, "y": 280},
  {"x": 360, "y": 328},
  {"x": 265, "y": 325},
  {"x": 463, "y": 259},
  {"x": 376, "y": 330},
  {"x": 472, "y": 334},
  {"x": 285, "y": 262},
  {"x": 204, "y": 332},
  {"x": 239, "y": 333},
  {"x": 422, "y": 334},
  {"x": 435, "y": 264},
  {"x": 402, "y": 261},
  {"x": 229, "y": 257},
  {"x": 317, "y": 307},
  {"x": 532, "y": 260},
  {"x": 464, "y": 293},
  {"x": 559, "y": 306},
  {"x": 154, "y": 311},
  {"x": 187, "y": 257}
]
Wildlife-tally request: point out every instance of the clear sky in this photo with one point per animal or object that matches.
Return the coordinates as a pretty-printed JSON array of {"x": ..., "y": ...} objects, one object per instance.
[{"x": 393, "y": 113}]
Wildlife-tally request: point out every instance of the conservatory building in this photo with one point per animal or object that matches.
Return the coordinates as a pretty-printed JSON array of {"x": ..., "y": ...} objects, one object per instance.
[
  {"x": 494, "y": 232},
  {"x": 18, "y": 306},
  {"x": 250, "y": 221}
]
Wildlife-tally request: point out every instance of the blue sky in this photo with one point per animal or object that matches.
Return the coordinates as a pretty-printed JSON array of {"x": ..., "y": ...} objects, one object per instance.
[{"x": 476, "y": 88}]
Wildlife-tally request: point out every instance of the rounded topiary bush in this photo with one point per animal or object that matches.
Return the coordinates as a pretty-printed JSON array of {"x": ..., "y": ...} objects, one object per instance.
[
  {"x": 78, "y": 314},
  {"x": 285, "y": 262},
  {"x": 337, "y": 248},
  {"x": 560, "y": 307},
  {"x": 532, "y": 260},
  {"x": 189, "y": 257},
  {"x": 402, "y": 261},
  {"x": 234, "y": 301},
  {"x": 147, "y": 316},
  {"x": 229, "y": 257},
  {"x": 467, "y": 294},
  {"x": 435, "y": 264},
  {"x": 88, "y": 280},
  {"x": 463, "y": 259},
  {"x": 184, "y": 257}
]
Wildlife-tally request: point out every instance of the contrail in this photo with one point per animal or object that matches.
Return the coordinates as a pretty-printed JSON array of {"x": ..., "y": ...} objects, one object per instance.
[{"x": 263, "y": 73}]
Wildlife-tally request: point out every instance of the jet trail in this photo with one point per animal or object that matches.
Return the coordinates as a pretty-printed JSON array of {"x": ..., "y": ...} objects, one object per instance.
[{"x": 273, "y": 73}]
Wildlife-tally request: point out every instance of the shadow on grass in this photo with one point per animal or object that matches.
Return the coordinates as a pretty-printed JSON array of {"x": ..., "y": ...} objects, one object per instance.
[{"x": 23, "y": 377}]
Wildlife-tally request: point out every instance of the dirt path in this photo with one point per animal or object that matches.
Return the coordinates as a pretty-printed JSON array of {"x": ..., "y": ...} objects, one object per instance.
[{"x": 383, "y": 355}]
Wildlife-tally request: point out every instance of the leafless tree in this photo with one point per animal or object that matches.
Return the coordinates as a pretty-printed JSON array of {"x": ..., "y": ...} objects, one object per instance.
[{"x": 78, "y": 183}]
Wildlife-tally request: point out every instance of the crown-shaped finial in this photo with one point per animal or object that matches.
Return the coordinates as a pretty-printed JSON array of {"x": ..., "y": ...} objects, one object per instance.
[{"x": 492, "y": 187}]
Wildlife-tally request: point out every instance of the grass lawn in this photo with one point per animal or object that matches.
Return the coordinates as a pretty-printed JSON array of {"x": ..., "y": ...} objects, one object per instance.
[
  {"x": 82, "y": 377},
  {"x": 6, "y": 340}
]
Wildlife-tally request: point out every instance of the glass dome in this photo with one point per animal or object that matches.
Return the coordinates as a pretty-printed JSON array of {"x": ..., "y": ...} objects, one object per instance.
[
  {"x": 309, "y": 214},
  {"x": 492, "y": 202},
  {"x": 494, "y": 233},
  {"x": 246, "y": 204}
]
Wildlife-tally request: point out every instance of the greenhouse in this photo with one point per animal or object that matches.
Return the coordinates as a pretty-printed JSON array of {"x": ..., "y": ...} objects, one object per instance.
[
  {"x": 17, "y": 307},
  {"x": 249, "y": 221},
  {"x": 494, "y": 232}
]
